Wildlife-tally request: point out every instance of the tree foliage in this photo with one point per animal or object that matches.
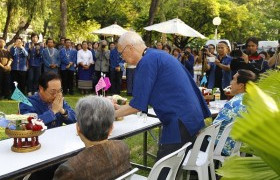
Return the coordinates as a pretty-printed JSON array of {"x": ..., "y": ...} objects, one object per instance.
[{"x": 240, "y": 18}]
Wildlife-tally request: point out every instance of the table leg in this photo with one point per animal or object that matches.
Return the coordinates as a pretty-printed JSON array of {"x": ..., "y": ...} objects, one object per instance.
[{"x": 145, "y": 144}]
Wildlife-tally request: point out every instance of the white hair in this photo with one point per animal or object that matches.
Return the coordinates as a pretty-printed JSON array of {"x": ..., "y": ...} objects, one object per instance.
[
  {"x": 131, "y": 38},
  {"x": 95, "y": 116}
]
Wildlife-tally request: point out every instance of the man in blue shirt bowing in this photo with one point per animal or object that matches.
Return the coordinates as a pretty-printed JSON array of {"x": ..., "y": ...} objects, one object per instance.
[
  {"x": 49, "y": 103},
  {"x": 163, "y": 83}
]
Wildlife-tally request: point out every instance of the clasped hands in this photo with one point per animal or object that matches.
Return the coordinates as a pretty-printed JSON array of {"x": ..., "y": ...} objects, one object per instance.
[{"x": 57, "y": 104}]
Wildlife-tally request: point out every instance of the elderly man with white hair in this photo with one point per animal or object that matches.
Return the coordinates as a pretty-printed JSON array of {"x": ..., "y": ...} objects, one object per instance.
[{"x": 163, "y": 83}]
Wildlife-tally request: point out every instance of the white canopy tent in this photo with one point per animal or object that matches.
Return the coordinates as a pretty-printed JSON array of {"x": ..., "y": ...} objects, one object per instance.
[
  {"x": 175, "y": 26},
  {"x": 113, "y": 30}
]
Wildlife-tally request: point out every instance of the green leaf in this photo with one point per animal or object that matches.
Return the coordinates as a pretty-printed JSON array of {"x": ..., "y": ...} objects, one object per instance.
[{"x": 246, "y": 168}]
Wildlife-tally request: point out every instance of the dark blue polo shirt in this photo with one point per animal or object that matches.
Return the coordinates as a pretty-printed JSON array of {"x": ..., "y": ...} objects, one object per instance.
[{"x": 164, "y": 83}]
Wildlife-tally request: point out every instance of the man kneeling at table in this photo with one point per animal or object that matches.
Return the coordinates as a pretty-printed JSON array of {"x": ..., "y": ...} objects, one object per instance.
[
  {"x": 49, "y": 103},
  {"x": 102, "y": 159}
]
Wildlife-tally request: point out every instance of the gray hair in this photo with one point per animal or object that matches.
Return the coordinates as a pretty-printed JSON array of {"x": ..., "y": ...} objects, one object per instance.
[
  {"x": 131, "y": 38},
  {"x": 95, "y": 117}
]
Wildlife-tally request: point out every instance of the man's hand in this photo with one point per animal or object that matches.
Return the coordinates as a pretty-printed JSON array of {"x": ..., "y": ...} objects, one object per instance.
[
  {"x": 86, "y": 67},
  {"x": 7, "y": 68},
  {"x": 118, "y": 68},
  {"x": 57, "y": 105},
  {"x": 245, "y": 57},
  {"x": 217, "y": 61}
]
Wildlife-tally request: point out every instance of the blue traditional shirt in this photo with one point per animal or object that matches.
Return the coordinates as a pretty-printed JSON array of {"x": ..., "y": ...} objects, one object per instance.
[
  {"x": 51, "y": 56},
  {"x": 45, "y": 113},
  {"x": 67, "y": 56},
  {"x": 19, "y": 59},
  {"x": 189, "y": 64},
  {"x": 231, "y": 110},
  {"x": 226, "y": 78},
  {"x": 35, "y": 59},
  {"x": 115, "y": 59},
  {"x": 161, "y": 81}
]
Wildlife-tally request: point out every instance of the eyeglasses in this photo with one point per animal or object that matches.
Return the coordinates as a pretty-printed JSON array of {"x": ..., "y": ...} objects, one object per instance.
[
  {"x": 54, "y": 92},
  {"x": 121, "y": 53}
]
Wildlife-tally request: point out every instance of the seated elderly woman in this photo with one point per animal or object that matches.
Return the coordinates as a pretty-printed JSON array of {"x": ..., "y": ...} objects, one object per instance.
[
  {"x": 233, "y": 108},
  {"x": 102, "y": 158}
]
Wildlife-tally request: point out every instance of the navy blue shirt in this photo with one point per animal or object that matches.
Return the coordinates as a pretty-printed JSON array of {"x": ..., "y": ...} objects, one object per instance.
[
  {"x": 164, "y": 83},
  {"x": 66, "y": 56},
  {"x": 35, "y": 59},
  {"x": 115, "y": 59},
  {"x": 19, "y": 58},
  {"x": 226, "y": 75},
  {"x": 44, "y": 112}
]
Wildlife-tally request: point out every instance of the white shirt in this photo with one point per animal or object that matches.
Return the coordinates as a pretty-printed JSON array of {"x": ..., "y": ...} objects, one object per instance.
[{"x": 85, "y": 57}]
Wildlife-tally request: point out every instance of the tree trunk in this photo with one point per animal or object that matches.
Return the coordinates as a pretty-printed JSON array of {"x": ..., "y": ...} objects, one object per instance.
[
  {"x": 8, "y": 19},
  {"x": 63, "y": 22},
  {"x": 152, "y": 13}
]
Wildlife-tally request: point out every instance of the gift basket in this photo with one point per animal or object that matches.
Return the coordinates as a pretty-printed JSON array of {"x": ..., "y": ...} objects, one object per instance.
[{"x": 24, "y": 129}]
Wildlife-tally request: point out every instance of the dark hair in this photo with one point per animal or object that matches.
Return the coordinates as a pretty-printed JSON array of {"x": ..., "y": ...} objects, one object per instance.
[
  {"x": 62, "y": 38},
  {"x": 212, "y": 45},
  {"x": 84, "y": 42},
  {"x": 67, "y": 40},
  {"x": 49, "y": 39},
  {"x": 47, "y": 77},
  {"x": 34, "y": 34},
  {"x": 245, "y": 75},
  {"x": 224, "y": 42},
  {"x": 2, "y": 38},
  {"x": 253, "y": 40},
  {"x": 111, "y": 43},
  {"x": 167, "y": 46},
  {"x": 176, "y": 49},
  {"x": 18, "y": 38}
]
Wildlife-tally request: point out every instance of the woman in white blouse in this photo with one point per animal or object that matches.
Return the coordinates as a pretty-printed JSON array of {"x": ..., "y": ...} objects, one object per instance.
[{"x": 85, "y": 68}]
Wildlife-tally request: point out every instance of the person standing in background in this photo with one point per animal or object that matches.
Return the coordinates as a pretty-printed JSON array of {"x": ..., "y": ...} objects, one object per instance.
[
  {"x": 116, "y": 70},
  {"x": 19, "y": 64},
  {"x": 85, "y": 69},
  {"x": 5, "y": 69},
  {"x": 51, "y": 57},
  {"x": 35, "y": 60},
  {"x": 68, "y": 57}
]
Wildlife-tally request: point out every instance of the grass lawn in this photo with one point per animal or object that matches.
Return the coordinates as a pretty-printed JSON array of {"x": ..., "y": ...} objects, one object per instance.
[{"x": 135, "y": 142}]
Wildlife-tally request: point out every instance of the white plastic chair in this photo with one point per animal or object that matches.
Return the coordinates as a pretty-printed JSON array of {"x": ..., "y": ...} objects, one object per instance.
[
  {"x": 172, "y": 161},
  {"x": 199, "y": 161},
  {"x": 128, "y": 175},
  {"x": 221, "y": 143}
]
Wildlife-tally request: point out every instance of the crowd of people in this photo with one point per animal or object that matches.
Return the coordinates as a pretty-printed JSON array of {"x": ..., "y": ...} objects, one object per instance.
[{"x": 85, "y": 63}]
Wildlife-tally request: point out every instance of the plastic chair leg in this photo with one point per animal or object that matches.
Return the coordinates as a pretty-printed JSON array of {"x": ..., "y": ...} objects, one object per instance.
[{"x": 212, "y": 171}]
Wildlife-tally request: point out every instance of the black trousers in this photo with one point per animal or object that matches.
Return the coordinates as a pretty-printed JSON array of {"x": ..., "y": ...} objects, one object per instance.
[
  {"x": 20, "y": 77},
  {"x": 165, "y": 149},
  {"x": 116, "y": 81},
  {"x": 4, "y": 83},
  {"x": 67, "y": 78}
]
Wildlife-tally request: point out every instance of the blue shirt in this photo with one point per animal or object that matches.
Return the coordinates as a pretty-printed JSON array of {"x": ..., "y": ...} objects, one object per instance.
[
  {"x": 67, "y": 56},
  {"x": 231, "y": 110},
  {"x": 44, "y": 112},
  {"x": 161, "y": 81},
  {"x": 115, "y": 59},
  {"x": 35, "y": 59},
  {"x": 19, "y": 59},
  {"x": 51, "y": 56},
  {"x": 226, "y": 75},
  {"x": 189, "y": 64}
]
